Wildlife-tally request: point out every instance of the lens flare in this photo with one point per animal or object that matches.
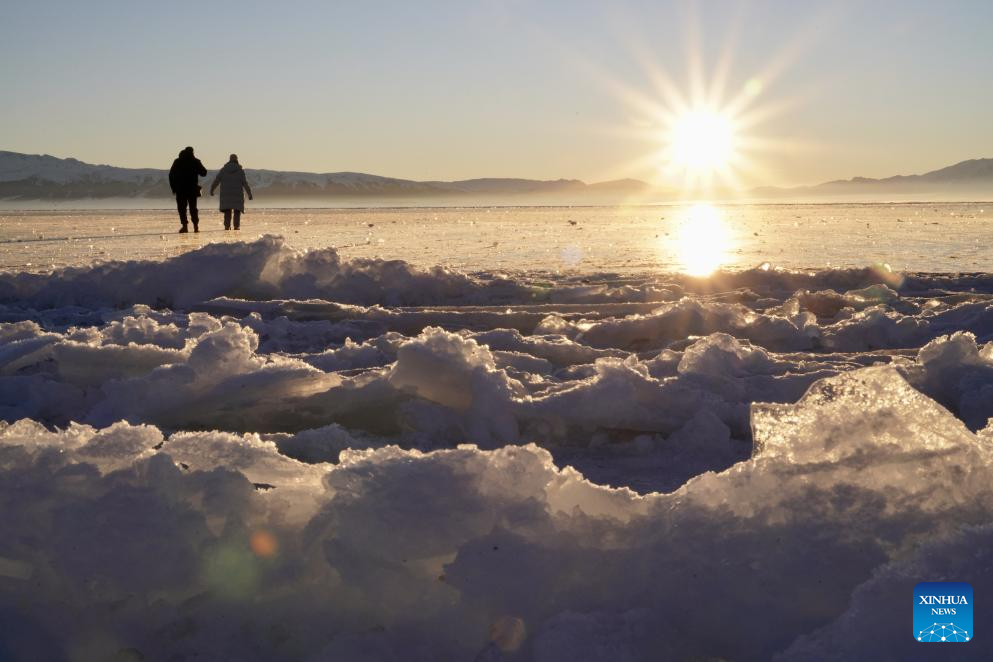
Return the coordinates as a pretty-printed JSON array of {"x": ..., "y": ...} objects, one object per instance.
[
  {"x": 231, "y": 572},
  {"x": 508, "y": 633},
  {"x": 263, "y": 543}
]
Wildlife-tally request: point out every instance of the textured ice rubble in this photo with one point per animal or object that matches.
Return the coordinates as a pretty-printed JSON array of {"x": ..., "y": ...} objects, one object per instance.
[
  {"x": 124, "y": 539},
  {"x": 438, "y": 388},
  {"x": 248, "y": 452}
]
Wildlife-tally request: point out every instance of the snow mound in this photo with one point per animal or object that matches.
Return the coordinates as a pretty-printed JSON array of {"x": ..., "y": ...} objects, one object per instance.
[{"x": 263, "y": 269}]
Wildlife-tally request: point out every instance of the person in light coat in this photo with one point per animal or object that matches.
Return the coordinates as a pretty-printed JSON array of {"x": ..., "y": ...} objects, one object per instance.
[{"x": 231, "y": 179}]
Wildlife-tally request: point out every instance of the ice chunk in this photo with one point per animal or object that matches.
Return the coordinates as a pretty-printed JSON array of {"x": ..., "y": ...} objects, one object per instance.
[
  {"x": 721, "y": 355},
  {"x": 459, "y": 374},
  {"x": 953, "y": 371}
]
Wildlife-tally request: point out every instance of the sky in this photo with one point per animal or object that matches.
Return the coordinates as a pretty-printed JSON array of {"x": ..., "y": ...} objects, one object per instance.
[{"x": 435, "y": 90}]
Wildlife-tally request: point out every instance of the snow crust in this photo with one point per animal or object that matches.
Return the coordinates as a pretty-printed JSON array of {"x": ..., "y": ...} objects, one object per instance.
[{"x": 292, "y": 456}]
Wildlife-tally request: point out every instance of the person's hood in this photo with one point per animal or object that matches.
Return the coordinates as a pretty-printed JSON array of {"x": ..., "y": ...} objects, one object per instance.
[{"x": 231, "y": 166}]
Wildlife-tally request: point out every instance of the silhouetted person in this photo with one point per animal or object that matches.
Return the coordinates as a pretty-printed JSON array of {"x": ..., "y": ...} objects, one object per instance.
[
  {"x": 231, "y": 179},
  {"x": 185, "y": 185}
]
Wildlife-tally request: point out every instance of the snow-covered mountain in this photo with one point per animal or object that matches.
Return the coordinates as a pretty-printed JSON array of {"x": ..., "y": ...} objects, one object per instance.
[{"x": 44, "y": 177}]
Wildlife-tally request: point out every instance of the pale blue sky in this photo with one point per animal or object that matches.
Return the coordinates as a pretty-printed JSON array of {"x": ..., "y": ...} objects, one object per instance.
[{"x": 450, "y": 90}]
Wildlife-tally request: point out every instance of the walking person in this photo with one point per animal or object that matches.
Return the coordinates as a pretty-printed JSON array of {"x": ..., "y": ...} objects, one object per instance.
[
  {"x": 185, "y": 184},
  {"x": 231, "y": 179}
]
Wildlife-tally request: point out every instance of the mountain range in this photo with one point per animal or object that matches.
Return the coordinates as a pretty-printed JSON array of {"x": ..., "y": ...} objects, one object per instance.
[
  {"x": 31, "y": 177},
  {"x": 44, "y": 177},
  {"x": 964, "y": 179}
]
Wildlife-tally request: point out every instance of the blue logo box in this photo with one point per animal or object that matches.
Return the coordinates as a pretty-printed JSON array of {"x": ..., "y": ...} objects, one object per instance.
[{"x": 943, "y": 612}]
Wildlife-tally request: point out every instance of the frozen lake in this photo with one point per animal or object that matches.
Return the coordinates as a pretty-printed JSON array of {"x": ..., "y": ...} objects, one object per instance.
[
  {"x": 223, "y": 446},
  {"x": 908, "y": 237}
]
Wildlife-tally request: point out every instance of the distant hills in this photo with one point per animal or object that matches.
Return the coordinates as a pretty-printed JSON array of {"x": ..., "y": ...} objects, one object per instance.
[
  {"x": 970, "y": 178},
  {"x": 48, "y": 178},
  {"x": 43, "y": 179}
]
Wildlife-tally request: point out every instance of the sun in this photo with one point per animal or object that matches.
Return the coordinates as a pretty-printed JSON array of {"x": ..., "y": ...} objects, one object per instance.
[
  {"x": 703, "y": 135},
  {"x": 701, "y": 142}
]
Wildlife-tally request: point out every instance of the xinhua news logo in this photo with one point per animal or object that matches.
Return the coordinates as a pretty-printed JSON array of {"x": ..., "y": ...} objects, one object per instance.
[{"x": 943, "y": 612}]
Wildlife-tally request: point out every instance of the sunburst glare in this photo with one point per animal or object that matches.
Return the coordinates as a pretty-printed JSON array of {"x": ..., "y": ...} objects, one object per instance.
[
  {"x": 703, "y": 144},
  {"x": 702, "y": 141},
  {"x": 704, "y": 132}
]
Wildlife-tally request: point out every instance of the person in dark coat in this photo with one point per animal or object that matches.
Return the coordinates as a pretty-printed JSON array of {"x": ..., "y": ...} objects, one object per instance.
[
  {"x": 185, "y": 185},
  {"x": 231, "y": 178}
]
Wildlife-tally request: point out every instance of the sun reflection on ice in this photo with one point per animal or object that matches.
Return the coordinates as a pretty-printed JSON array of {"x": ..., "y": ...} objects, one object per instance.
[{"x": 702, "y": 240}]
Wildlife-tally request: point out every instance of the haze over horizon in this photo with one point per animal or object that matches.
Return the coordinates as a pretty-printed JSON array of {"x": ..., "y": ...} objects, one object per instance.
[
  {"x": 975, "y": 171},
  {"x": 445, "y": 91}
]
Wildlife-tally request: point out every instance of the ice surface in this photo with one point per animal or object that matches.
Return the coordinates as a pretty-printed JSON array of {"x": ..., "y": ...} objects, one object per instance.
[
  {"x": 295, "y": 455},
  {"x": 623, "y": 240}
]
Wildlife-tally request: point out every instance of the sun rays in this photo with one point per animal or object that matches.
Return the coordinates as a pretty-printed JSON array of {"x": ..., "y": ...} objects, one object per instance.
[
  {"x": 700, "y": 129},
  {"x": 702, "y": 143}
]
